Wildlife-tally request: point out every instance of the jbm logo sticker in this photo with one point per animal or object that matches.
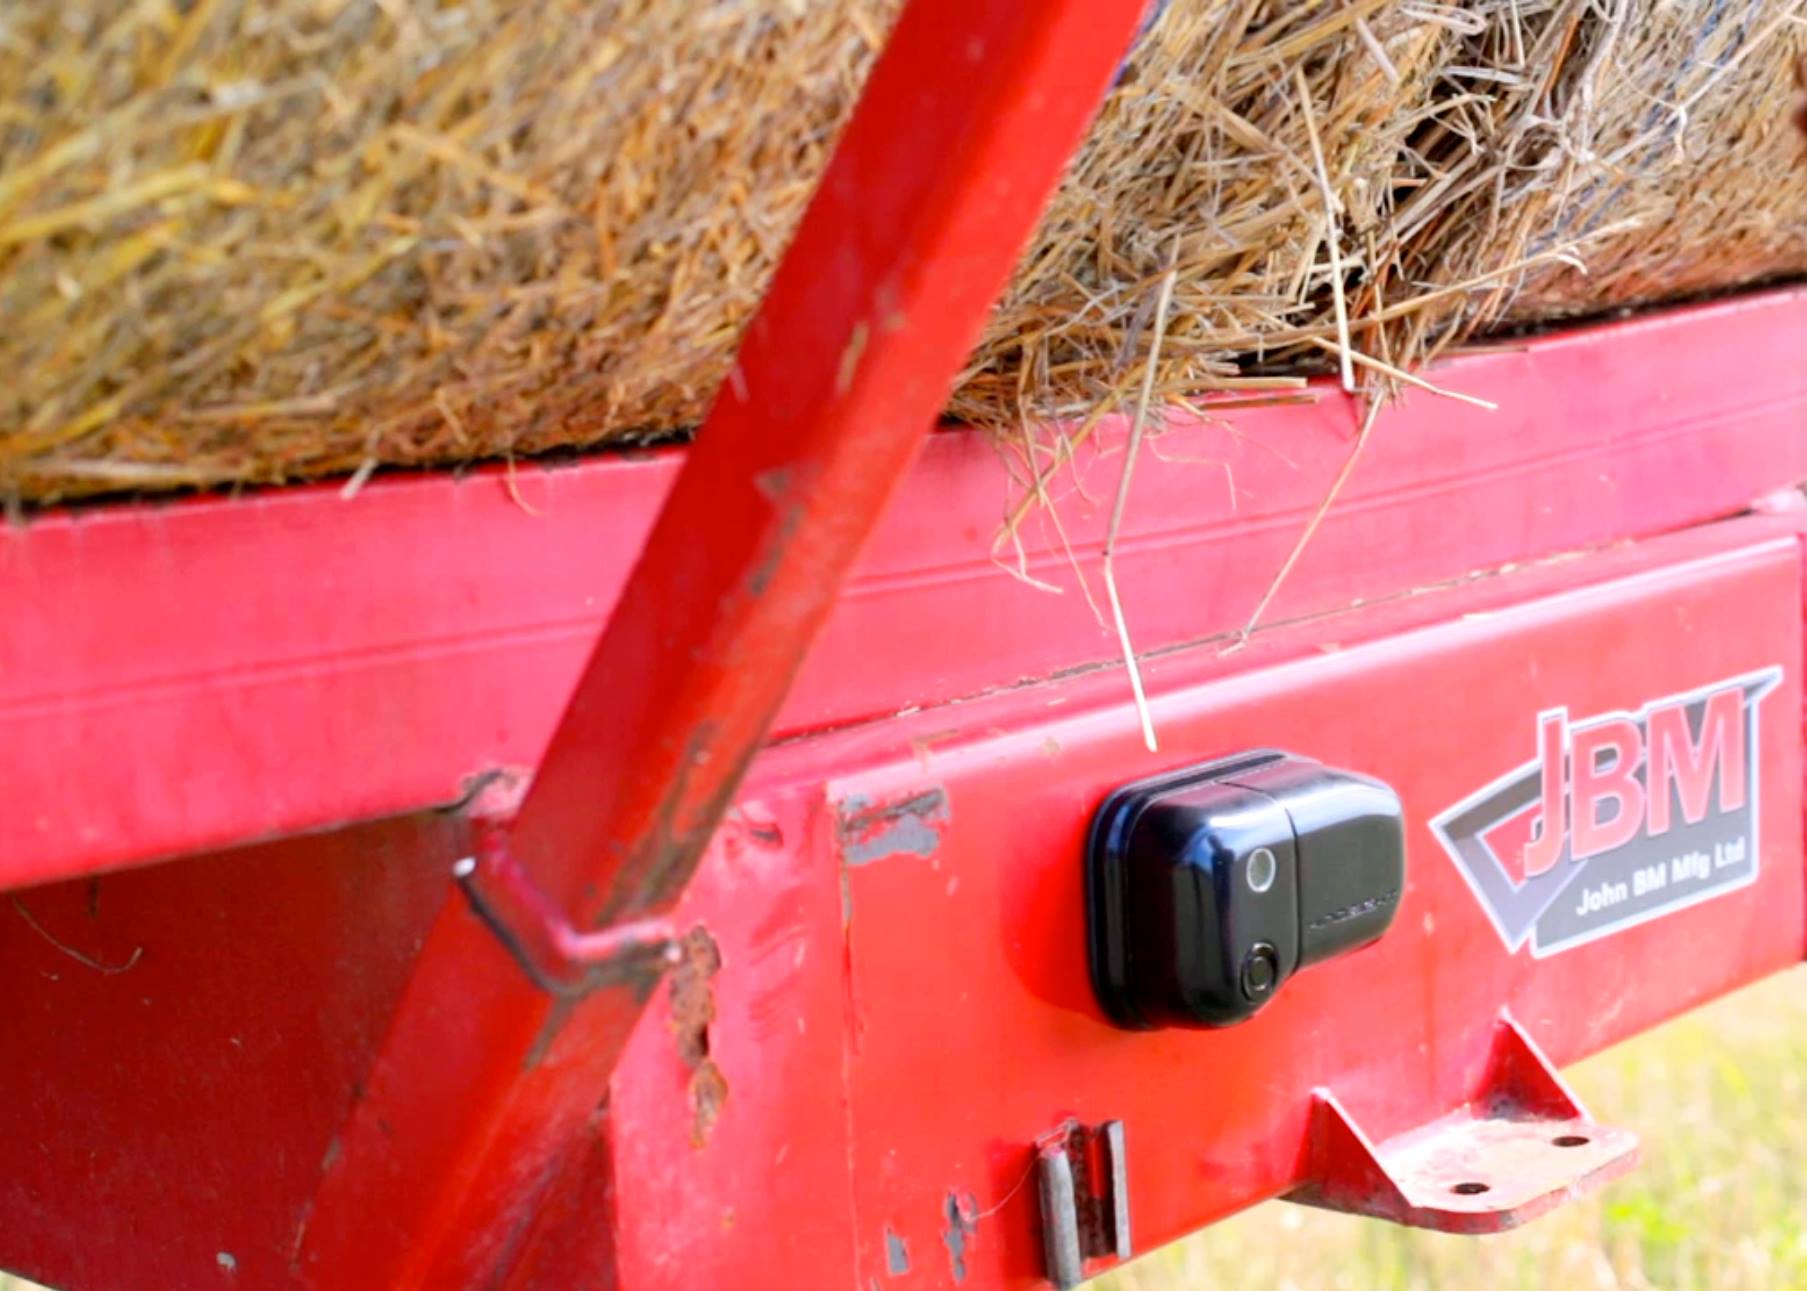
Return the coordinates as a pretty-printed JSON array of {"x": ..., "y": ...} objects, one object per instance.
[{"x": 1620, "y": 818}]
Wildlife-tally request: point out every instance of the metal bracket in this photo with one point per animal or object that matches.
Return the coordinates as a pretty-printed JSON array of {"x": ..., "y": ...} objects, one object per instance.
[
  {"x": 559, "y": 959},
  {"x": 1520, "y": 1149},
  {"x": 1084, "y": 1183}
]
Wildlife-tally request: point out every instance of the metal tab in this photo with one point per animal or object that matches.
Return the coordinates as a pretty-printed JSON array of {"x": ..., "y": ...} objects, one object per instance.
[
  {"x": 1084, "y": 1183},
  {"x": 1060, "y": 1217},
  {"x": 1118, "y": 1165},
  {"x": 1521, "y": 1148}
]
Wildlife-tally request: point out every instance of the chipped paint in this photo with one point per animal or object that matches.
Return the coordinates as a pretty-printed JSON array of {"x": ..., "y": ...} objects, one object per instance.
[
  {"x": 897, "y": 1254},
  {"x": 911, "y": 826},
  {"x": 692, "y": 1014},
  {"x": 923, "y": 746},
  {"x": 854, "y": 350},
  {"x": 773, "y": 483},
  {"x": 962, "y": 1215},
  {"x": 750, "y": 825}
]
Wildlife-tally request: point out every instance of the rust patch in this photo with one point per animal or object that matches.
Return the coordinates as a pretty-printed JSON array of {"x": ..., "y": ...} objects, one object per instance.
[
  {"x": 962, "y": 1215},
  {"x": 911, "y": 826},
  {"x": 1094, "y": 1205},
  {"x": 1090, "y": 1204},
  {"x": 692, "y": 1013},
  {"x": 708, "y": 1091}
]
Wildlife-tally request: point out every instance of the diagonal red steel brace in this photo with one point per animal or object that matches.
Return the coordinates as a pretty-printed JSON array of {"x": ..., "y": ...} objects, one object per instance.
[{"x": 521, "y": 1000}]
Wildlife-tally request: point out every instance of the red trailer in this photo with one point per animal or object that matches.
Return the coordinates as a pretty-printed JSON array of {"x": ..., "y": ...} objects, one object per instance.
[{"x": 671, "y": 870}]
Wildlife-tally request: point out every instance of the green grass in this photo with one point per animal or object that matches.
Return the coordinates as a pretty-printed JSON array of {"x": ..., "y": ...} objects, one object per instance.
[{"x": 1719, "y": 1201}]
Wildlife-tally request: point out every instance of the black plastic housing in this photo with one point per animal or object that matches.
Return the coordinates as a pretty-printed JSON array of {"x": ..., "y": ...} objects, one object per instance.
[{"x": 1207, "y": 888}]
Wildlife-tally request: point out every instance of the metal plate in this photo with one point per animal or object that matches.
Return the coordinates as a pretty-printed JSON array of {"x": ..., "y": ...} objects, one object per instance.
[{"x": 973, "y": 1026}]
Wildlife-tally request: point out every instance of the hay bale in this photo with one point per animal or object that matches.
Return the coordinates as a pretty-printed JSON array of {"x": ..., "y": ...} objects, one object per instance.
[{"x": 259, "y": 240}]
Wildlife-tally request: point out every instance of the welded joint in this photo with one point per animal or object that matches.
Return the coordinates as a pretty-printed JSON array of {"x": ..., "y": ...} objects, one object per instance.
[{"x": 562, "y": 960}]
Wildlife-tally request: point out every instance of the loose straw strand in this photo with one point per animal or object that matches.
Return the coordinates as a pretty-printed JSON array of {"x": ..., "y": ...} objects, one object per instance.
[
  {"x": 1311, "y": 528},
  {"x": 1408, "y": 378},
  {"x": 1137, "y": 423},
  {"x": 1332, "y": 215}
]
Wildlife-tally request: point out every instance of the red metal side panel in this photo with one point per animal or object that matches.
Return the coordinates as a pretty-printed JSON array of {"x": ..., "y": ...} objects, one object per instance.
[
  {"x": 900, "y": 1006},
  {"x": 193, "y": 674},
  {"x": 973, "y": 1029}
]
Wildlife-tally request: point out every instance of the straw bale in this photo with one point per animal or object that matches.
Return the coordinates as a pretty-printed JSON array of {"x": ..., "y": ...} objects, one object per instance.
[{"x": 248, "y": 241}]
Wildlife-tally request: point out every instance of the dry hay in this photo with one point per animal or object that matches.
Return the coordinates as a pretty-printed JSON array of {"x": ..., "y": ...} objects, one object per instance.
[{"x": 257, "y": 240}]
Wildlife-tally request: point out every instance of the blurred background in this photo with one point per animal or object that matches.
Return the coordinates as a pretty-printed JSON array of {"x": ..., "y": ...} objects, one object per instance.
[{"x": 1719, "y": 1201}]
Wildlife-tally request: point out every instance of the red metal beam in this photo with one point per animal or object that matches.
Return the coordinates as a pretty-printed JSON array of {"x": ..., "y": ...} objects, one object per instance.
[
  {"x": 199, "y": 673},
  {"x": 961, "y": 134},
  {"x": 921, "y": 216}
]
